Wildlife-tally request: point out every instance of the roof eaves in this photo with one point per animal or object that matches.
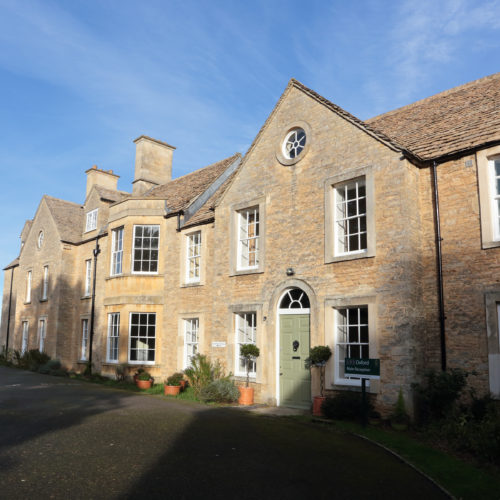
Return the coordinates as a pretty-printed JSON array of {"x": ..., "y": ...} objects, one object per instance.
[{"x": 12, "y": 265}]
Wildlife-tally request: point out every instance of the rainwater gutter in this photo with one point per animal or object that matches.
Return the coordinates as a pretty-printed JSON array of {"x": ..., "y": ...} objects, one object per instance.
[
  {"x": 95, "y": 252},
  {"x": 10, "y": 306},
  {"x": 439, "y": 257}
]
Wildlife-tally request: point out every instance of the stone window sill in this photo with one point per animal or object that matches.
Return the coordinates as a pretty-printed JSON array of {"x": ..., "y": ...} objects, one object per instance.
[{"x": 243, "y": 272}]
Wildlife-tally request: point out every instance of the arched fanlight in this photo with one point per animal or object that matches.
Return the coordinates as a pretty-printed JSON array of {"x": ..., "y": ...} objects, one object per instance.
[{"x": 295, "y": 298}]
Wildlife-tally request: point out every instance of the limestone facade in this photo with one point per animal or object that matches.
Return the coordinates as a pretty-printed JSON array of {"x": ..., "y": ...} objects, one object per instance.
[{"x": 206, "y": 260}]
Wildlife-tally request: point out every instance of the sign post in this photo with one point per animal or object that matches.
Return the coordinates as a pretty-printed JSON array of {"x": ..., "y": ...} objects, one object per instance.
[{"x": 365, "y": 369}]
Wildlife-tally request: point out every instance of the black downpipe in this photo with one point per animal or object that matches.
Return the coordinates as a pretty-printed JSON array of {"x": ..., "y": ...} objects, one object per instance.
[
  {"x": 8, "y": 317},
  {"x": 96, "y": 252},
  {"x": 439, "y": 256}
]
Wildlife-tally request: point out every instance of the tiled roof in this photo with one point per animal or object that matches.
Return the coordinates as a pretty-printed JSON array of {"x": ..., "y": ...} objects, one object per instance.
[
  {"x": 206, "y": 213},
  {"x": 110, "y": 194},
  {"x": 455, "y": 120},
  {"x": 14, "y": 263},
  {"x": 68, "y": 217},
  {"x": 181, "y": 192}
]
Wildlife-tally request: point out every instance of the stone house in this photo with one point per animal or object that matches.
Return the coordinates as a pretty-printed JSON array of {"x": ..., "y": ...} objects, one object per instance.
[{"x": 379, "y": 238}]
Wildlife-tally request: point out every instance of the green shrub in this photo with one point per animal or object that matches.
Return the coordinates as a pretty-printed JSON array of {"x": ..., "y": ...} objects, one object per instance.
[
  {"x": 318, "y": 356},
  {"x": 174, "y": 379},
  {"x": 464, "y": 432},
  {"x": 220, "y": 391},
  {"x": 202, "y": 372},
  {"x": 438, "y": 395},
  {"x": 33, "y": 360},
  {"x": 400, "y": 415},
  {"x": 121, "y": 372},
  {"x": 249, "y": 352},
  {"x": 8, "y": 356},
  {"x": 346, "y": 405},
  {"x": 144, "y": 375},
  {"x": 52, "y": 367}
]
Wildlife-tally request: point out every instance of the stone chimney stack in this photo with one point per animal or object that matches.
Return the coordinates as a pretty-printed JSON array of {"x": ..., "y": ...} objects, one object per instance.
[
  {"x": 153, "y": 164},
  {"x": 104, "y": 178}
]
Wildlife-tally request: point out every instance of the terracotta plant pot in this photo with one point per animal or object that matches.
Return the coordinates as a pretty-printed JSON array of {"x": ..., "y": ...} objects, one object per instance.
[
  {"x": 184, "y": 384},
  {"x": 246, "y": 396},
  {"x": 317, "y": 403},
  {"x": 172, "y": 390},
  {"x": 144, "y": 384}
]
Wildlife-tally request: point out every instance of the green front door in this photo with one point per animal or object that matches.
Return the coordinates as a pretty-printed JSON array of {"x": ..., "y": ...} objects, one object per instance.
[{"x": 295, "y": 378}]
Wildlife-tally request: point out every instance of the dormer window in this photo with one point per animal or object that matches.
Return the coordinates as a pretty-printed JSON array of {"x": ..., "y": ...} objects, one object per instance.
[{"x": 91, "y": 220}]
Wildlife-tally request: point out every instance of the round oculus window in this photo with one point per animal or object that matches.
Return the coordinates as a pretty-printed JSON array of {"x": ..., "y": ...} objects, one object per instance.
[
  {"x": 40, "y": 239},
  {"x": 294, "y": 143}
]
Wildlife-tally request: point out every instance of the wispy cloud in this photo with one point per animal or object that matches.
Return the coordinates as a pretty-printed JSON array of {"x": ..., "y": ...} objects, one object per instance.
[{"x": 431, "y": 35}]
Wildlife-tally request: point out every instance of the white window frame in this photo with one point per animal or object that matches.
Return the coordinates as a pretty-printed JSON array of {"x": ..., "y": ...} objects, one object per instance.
[
  {"x": 494, "y": 181},
  {"x": 88, "y": 277},
  {"x": 39, "y": 240},
  {"x": 342, "y": 219},
  {"x": 145, "y": 349},
  {"x": 29, "y": 278},
  {"x": 116, "y": 251},
  {"x": 42, "y": 333},
  {"x": 25, "y": 336},
  {"x": 113, "y": 340},
  {"x": 45, "y": 283},
  {"x": 191, "y": 339},
  {"x": 338, "y": 379},
  {"x": 241, "y": 326},
  {"x": 248, "y": 237},
  {"x": 91, "y": 222},
  {"x": 85, "y": 340},
  {"x": 133, "y": 260},
  {"x": 193, "y": 257}
]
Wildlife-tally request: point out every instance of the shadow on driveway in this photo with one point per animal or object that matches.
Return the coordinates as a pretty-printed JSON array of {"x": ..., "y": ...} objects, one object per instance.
[{"x": 65, "y": 439}]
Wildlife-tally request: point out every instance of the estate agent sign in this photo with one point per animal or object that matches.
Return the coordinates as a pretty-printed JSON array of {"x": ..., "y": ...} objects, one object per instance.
[{"x": 363, "y": 368}]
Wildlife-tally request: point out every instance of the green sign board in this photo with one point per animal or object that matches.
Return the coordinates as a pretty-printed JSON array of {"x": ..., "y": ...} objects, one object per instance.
[{"x": 363, "y": 368}]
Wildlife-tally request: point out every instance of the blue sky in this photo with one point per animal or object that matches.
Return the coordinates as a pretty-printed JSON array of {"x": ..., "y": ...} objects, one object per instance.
[{"x": 80, "y": 80}]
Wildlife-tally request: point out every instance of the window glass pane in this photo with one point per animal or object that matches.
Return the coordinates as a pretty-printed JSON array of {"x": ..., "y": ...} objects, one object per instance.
[
  {"x": 362, "y": 206},
  {"x": 352, "y": 209},
  {"x": 353, "y": 334},
  {"x": 353, "y": 243},
  {"x": 353, "y": 226},
  {"x": 497, "y": 167}
]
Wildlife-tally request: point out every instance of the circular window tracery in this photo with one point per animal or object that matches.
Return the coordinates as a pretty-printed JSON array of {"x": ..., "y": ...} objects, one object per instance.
[
  {"x": 294, "y": 143},
  {"x": 295, "y": 299},
  {"x": 40, "y": 239}
]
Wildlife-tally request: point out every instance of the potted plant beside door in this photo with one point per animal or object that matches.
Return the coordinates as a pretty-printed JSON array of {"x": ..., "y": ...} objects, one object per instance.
[
  {"x": 250, "y": 352},
  {"x": 318, "y": 357}
]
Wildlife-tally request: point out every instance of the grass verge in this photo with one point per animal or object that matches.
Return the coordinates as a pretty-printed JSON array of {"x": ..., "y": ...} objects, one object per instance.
[{"x": 462, "y": 479}]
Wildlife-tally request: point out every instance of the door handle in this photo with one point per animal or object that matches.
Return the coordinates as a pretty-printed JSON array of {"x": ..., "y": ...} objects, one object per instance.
[{"x": 281, "y": 374}]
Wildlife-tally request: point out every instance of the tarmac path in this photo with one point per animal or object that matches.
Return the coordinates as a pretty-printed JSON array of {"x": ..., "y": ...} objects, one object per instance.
[{"x": 65, "y": 439}]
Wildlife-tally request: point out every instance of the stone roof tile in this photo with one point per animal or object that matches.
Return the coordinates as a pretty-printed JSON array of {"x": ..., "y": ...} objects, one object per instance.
[
  {"x": 181, "y": 192},
  {"x": 456, "y": 120},
  {"x": 68, "y": 217},
  {"x": 110, "y": 194}
]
